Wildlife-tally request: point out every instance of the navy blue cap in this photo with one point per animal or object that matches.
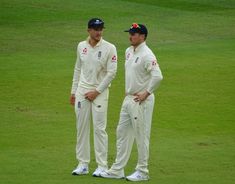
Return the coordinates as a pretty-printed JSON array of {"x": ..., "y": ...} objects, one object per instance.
[
  {"x": 95, "y": 23},
  {"x": 138, "y": 28}
]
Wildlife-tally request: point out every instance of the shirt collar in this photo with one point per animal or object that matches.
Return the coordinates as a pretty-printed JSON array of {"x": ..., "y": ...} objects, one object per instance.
[
  {"x": 139, "y": 47},
  {"x": 97, "y": 45}
]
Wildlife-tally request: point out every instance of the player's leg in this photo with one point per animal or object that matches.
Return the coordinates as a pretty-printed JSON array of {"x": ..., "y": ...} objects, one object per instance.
[
  {"x": 142, "y": 118},
  {"x": 99, "y": 114},
  {"x": 83, "y": 114},
  {"x": 125, "y": 139}
]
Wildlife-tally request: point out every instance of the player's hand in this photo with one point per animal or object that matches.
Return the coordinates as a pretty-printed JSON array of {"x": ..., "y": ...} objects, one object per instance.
[
  {"x": 140, "y": 97},
  {"x": 91, "y": 95},
  {"x": 72, "y": 99}
]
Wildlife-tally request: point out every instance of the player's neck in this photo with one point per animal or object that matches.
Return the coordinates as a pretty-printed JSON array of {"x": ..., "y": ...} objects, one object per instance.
[
  {"x": 137, "y": 45},
  {"x": 93, "y": 42}
]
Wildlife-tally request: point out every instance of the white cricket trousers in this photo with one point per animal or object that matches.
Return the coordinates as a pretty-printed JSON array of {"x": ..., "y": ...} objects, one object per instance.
[
  {"x": 134, "y": 124},
  {"x": 84, "y": 110}
]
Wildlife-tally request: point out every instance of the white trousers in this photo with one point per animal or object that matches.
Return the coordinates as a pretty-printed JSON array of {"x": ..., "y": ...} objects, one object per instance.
[
  {"x": 84, "y": 110},
  {"x": 134, "y": 124}
]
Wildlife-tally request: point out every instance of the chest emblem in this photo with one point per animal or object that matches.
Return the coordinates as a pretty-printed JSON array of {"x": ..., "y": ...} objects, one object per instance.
[
  {"x": 84, "y": 51},
  {"x": 136, "y": 60},
  {"x": 99, "y": 54},
  {"x": 128, "y": 56}
]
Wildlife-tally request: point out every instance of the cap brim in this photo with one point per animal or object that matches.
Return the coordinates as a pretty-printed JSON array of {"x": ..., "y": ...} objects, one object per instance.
[
  {"x": 131, "y": 31},
  {"x": 96, "y": 27}
]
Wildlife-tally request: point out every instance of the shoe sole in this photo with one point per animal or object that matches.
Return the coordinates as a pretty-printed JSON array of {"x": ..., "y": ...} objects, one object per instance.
[
  {"x": 94, "y": 175},
  {"x": 75, "y": 174},
  {"x": 137, "y": 180},
  {"x": 109, "y": 177}
]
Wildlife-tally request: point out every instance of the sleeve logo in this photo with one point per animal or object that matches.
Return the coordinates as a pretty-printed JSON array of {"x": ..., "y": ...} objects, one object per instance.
[
  {"x": 154, "y": 63},
  {"x": 114, "y": 59}
]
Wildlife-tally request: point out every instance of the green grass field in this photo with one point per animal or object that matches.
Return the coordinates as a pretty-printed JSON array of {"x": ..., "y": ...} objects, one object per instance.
[{"x": 193, "y": 129}]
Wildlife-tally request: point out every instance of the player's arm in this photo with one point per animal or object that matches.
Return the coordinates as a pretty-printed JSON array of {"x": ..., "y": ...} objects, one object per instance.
[
  {"x": 111, "y": 70},
  {"x": 76, "y": 77},
  {"x": 156, "y": 76},
  {"x": 151, "y": 66}
]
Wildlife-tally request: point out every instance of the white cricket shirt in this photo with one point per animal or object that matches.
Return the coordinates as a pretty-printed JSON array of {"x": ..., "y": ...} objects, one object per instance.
[
  {"x": 142, "y": 71},
  {"x": 95, "y": 67}
]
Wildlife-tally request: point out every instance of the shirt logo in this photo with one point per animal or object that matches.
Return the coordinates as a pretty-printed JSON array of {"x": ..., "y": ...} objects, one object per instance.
[
  {"x": 79, "y": 104},
  {"x": 84, "y": 51},
  {"x": 128, "y": 56},
  {"x": 114, "y": 59},
  {"x": 99, "y": 54},
  {"x": 136, "y": 60}
]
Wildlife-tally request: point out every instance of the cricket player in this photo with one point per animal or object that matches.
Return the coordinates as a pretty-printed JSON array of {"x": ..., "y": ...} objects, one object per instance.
[
  {"x": 95, "y": 68},
  {"x": 142, "y": 77}
]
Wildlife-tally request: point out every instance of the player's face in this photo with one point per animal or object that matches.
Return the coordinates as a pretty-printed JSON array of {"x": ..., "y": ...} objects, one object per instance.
[
  {"x": 95, "y": 33},
  {"x": 136, "y": 39}
]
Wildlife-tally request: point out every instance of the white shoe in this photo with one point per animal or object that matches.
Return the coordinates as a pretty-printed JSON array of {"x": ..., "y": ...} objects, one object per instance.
[
  {"x": 80, "y": 170},
  {"x": 98, "y": 171},
  {"x": 107, "y": 174},
  {"x": 138, "y": 176}
]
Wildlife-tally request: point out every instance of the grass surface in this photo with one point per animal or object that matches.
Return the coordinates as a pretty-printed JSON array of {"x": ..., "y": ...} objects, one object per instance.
[{"x": 193, "y": 130}]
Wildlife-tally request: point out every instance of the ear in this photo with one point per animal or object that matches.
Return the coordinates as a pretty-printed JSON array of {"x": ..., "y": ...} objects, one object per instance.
[{"x": 142, "y": 36}]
